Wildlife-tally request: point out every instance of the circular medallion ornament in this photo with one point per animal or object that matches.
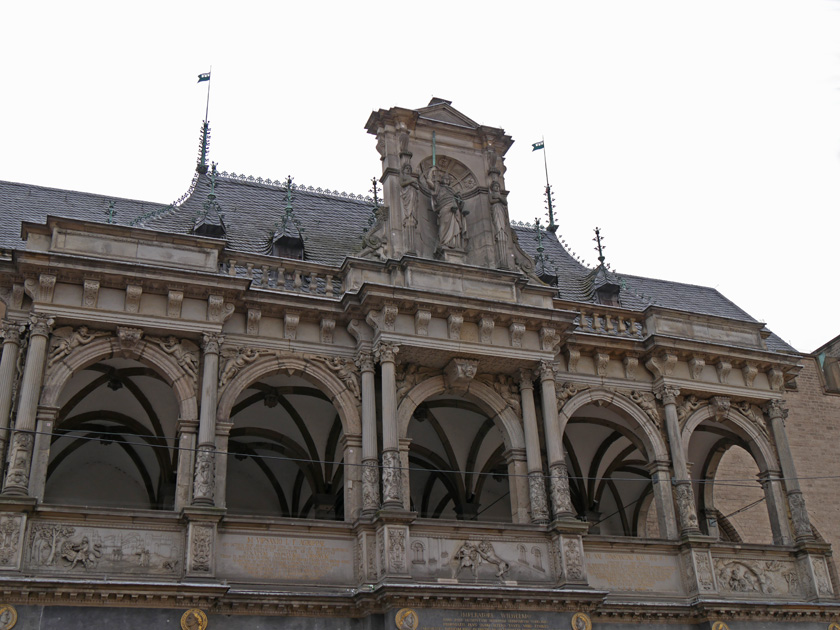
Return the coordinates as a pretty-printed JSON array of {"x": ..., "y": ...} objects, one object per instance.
[
  {"x": 834, "y": 626},
  {"x": 719, "y": 625},
  {"x": 581, "y": 621},
  {"x": 406, "y": 619},
  {"x": 8, "y": 617},
  {"x": 193, "y": 619}
]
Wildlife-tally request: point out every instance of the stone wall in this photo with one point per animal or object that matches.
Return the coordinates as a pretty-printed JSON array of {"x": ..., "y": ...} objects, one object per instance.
[{"x": 813, "y": 428}]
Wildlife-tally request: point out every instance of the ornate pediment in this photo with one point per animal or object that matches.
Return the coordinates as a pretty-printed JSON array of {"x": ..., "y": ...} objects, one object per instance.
[{"x": 440, "y": 110}]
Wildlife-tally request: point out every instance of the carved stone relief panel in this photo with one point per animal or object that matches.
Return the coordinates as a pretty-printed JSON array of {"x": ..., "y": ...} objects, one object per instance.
[
  {"x": 483, "y": 559},
  {"x": 574, "y": 569},
  {"x": 88, "y": 549},
  {"x": 753, "y": 577},
  {"x": 12, "y": 528}
]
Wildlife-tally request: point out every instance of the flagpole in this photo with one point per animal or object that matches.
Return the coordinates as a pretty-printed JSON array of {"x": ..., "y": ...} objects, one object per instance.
[{"x": 207, "y": 108}]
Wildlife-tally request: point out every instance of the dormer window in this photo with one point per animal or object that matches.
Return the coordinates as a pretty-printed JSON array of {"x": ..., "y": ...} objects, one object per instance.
[
  {"x": 287, "y": 246},
  {"x": 608, "y": 294}
]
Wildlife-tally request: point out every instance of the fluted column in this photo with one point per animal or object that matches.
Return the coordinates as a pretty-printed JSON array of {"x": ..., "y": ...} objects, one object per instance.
[
  {"x": 683, "y": 492},
  {"x": 777, "y": 413},
  {"x": 8, "y": 371},
  {"x": 20, "y": 459},
  {"x": 391, "y": 469},
  {"x": 561, "y": 502},
  {"x": 536, "y": 478},
  {"x": 370, "y": 451},
  {"x": 204, "y": 480}
]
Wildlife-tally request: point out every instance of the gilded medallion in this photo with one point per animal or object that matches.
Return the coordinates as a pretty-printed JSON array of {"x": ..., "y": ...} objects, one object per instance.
[
  {"x": 8, "y": 617},
  {"x": 193, "y": 619},
  {"x": 719, "y": 625},
  {"x": 406, "y": 619},
  {"x": 581, "y": 621}
]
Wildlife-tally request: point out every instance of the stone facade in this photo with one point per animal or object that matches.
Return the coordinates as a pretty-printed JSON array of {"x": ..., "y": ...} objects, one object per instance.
[{"x": 415, "y": 433}]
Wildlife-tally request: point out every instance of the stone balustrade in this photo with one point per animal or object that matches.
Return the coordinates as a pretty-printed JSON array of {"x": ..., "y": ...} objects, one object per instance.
[
  {"x": 287, "y": 275},
  {"x": 612, "y": 322}
]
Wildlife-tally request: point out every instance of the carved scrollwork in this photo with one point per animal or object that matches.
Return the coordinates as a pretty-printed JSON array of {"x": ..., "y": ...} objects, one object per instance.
[
  {"x": 561, "y": 501},
  {"x": 10, "y": 529},
  {"x": 573, "y": 559},
  {"x": 202, "y": 546},
  {"x": 370, "y": 486},
  {"x": 391, "y": 477},
  {"x": 396, "y": 549}
]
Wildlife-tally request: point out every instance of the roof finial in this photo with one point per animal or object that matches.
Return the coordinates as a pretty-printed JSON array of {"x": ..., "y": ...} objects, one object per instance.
[
  {"x": 600, "y": 248},
  {"x": 111, "y": 212},
  {"x": 375, "y": 191},
  {"x": 540, "y": 146}
]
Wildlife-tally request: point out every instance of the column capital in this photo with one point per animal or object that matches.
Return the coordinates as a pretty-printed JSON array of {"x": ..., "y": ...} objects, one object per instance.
[
  {"x": 210, "y": 342},
  {"x": 387, "y": 352},
  {"x": 365, "y": 361},
  {"x": 775, "y": 409},
  {"x": 667, "y": 394},
  {"x": 546, "y": 371},
  {"x": 526, "y": 378},
  {"x": 40, "y": 324},
  {"x": 12, "y": 331}
]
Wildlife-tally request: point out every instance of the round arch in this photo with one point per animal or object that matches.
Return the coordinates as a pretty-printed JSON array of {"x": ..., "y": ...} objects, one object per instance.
[
  {"x": 479, "y": 393},
  {"x": 104, "y": 348},
  {"x": 758, "y": 444},
  {"x": 651, "y": 437},
  {"x": 308, "y": 368}
]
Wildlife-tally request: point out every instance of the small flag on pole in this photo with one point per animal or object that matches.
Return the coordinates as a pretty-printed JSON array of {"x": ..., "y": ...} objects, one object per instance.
[
  {"x": 537, "y": 145},
  {"x": 204, "y": 77}
]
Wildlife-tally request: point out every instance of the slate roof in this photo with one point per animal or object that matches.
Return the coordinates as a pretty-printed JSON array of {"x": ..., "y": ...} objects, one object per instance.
[{"x": 333, "y": 225}]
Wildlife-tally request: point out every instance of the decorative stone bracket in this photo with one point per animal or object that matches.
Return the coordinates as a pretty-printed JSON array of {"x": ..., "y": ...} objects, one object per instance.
[{"x": 459, "y": 373}]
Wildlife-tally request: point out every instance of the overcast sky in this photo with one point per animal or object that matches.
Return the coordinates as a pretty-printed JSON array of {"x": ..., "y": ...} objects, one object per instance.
[{"x": 702, "y": 137}]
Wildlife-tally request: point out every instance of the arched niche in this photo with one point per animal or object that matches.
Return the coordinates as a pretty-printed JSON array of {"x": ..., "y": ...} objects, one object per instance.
[
  {"x": 290, "y": 449},
  {"x": 610, "y": 444}
]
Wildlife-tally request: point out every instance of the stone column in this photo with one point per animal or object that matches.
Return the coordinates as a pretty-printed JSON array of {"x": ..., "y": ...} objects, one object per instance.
[
  {"x": 204, "y": 481},
  {"x": 683, "y": 492},
  {"x": 517, "y": 467},
  {"x": 8, "y": 372},
  {"x": 661, "y": 478},
  {"x": 771, "y": 482},
  {"x": 41, "y": 450},
  {"x": 391, "y": 469},
  {"x": 370, "y": 450},
  {"x": 222, "y": 441},
  {"x": 777, "y": 413},
  {"x": 536, "y": 478},
  {"x": 561, "y": 502},
  {"x": 186, "y": 431},
  {"x": 17, "y": 476},
  {"x": 351, "y": 446}
]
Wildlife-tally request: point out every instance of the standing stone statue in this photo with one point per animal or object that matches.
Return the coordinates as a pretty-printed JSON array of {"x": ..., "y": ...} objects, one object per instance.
[
  {"x": 408, "y": 199},
  {"x": 449, "y": 207},
  {"x": 500, "y": 223}
]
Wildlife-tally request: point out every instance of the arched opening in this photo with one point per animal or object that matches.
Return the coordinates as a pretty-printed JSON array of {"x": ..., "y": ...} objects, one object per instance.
[
  {"x": 114, "y": 439},
  {"x": 609, "y": 481},
  {"x": 732, "y": 504},
  {"x": 285, "y": 451},
  {"x": 457, "y": 460}
]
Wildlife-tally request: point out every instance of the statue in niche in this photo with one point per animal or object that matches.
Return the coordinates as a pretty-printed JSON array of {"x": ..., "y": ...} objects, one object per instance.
[
  {"x": 448, "y": 205},
  {"x": 498, "y": 206}
]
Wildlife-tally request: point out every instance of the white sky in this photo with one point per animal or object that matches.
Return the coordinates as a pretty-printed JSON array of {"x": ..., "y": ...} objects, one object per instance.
[{"x": 703, "y": 137}]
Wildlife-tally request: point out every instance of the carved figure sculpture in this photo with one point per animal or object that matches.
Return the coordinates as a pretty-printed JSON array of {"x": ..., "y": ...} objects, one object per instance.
[
  {"x": 408, "y": 199},
  {"x": 500, "y": 222},
  {"x": 449, "y": 208},
  {"x": 65, "y": 345},
  {"x": 185, "y": 359},
  {"x": 82, "y": 552}
]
